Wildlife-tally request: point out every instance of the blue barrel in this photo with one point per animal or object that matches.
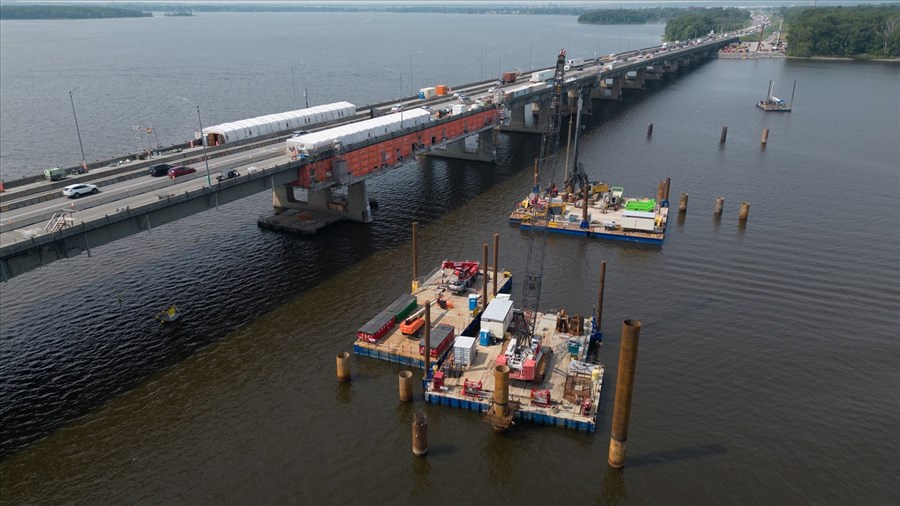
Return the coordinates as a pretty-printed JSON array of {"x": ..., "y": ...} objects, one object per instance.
[{"x": 473, "y": 301}]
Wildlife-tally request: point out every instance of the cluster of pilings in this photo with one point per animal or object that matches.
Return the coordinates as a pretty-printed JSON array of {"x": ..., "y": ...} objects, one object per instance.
[
  {"x": 718, "y": 207},
  {"x": 764, "y": 139}
]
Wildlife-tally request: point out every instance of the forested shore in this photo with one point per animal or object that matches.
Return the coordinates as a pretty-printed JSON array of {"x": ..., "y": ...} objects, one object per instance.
[{"x": 67, "y": 12}]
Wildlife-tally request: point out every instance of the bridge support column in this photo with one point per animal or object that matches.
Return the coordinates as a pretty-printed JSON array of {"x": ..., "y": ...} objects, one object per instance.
[
  {"x": 670, "y": 67},
  {"x": 358, "y": 203},
  {"x": 283, "y": 199},
  {"x": 609, "y": 89},
  {"x": 636, "y": 82},
  {"x": 653, "y": 73}
]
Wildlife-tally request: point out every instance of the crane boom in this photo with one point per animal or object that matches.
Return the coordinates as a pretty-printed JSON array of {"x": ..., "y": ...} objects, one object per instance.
[{"x": 524, "y": 320}]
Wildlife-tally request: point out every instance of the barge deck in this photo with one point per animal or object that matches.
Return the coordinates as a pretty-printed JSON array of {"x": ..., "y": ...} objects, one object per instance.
[
  {"x": 610, "y": 216},
  {"x": 453, "y": 309},
  {"x": 573, "y": 384}
]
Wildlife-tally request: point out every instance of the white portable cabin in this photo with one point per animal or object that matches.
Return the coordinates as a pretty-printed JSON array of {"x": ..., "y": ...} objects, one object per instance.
[
  {"x": 464, "y": 350},
  {"x": 355, "y": 133},
  {"x": 497, "y": 317},
  {"x": 278, "y": 122}
]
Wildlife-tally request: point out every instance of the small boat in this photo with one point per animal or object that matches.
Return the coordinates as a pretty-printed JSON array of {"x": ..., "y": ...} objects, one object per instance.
[{"x": 170, "y": 315}]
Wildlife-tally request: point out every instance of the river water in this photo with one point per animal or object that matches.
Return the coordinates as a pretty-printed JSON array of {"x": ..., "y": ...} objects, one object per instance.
[{"x": 767, "y": 370}]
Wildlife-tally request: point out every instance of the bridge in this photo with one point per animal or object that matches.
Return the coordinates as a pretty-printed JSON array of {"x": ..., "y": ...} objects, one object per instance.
[{"x": 37, "y": 228}]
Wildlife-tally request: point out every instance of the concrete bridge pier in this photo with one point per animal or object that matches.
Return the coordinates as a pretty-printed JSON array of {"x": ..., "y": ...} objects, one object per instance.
[
  {"x": 636, "y": 82},
  {"x": 354, "y": 208},
  {"x": 358, "y": 208},
  {"x": 518, "y": 115},
  {"x": 570, "y": 104},
  {"x": 670, "y": 67},
  {"x": 609, "y": 89},
  {"x": 653, "y": 73}
]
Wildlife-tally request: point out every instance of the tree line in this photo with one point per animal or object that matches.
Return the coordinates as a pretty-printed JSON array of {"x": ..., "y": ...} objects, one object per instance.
[
  {"x": 67, "y": 12},
  {"x": 630, "y": 16},
  {"x": 700, "y": 23},
  {"x": 862, "y": 31}
]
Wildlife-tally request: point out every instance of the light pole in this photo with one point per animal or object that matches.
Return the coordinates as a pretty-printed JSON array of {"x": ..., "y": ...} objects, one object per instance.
[
  {"x": 482, "y": 63},
  {"x": 411, "y": 91},
  {"x": 77, "y": 131},
  {"x": 400, "y": 75},
  {"x": 499, "y": 66},
  {"x": 202, "y": 144}
]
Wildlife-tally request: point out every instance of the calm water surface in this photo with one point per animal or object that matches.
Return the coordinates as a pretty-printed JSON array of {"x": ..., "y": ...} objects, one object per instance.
[{"x": 767, "y": 367}]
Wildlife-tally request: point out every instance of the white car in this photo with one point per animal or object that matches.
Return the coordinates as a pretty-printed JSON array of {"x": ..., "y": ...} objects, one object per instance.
[{"x": 76, "y": 190}]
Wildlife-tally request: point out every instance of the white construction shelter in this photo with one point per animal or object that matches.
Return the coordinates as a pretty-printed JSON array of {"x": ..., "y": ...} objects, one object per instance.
[{"x": 497, "y": 317}]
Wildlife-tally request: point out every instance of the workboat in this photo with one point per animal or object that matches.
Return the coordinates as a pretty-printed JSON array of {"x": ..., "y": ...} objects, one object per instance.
[{"x": 170, "y": 315}]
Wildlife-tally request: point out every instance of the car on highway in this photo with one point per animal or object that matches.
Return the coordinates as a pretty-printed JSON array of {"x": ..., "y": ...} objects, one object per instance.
[
  {"x": 73, "y": 191},
  {"x": 159, "y": 169},
  {"x": 181, "y": 171}
]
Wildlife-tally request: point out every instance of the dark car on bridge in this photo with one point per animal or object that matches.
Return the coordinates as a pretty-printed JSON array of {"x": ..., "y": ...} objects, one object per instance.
[
  {"x": 160, "y": 169},
  {"x": 180, "y": 171}
]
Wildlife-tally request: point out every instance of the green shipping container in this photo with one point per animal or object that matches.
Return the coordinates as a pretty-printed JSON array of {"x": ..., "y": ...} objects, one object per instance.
[
  {"x": 641, "y": 205},
  {"x": 402, "y": 307}
]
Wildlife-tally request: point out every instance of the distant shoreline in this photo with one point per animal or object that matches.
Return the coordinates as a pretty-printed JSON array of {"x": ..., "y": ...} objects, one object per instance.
[{"x": 56, "y": 12}]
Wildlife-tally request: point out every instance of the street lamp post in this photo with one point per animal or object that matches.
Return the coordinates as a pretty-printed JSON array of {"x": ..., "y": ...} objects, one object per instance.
[
  {"x": 202, "y": 144},
  {"x": 499, "y": 66},
  {"x": 400, "y": 75},
  {"x": 77, "y": 131}
]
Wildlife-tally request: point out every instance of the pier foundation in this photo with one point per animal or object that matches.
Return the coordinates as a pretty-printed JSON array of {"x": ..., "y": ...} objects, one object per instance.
[
  {"x": 682, "y": 204},
  {"x": 631, "y": 331},
  {"x": 419, "y": 434},
  {"x": 720, "y": 204},
  {"x": 406, "y": 386},
  {"x": 343, "y": 366},
  {"x": 500, "y": 414}
]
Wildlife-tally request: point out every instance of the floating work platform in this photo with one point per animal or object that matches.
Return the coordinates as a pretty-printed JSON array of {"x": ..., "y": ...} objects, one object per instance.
[
  {"x": 570, "y": 384},
  {"x": 774, "y": 105},
  {"x": 382, "y": 337},
  {"x": 610, "y": 215}
]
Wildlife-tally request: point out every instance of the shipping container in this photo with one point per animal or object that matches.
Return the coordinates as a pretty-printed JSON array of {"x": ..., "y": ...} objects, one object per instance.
[
  {"x": 442, "y": 89},
  {"x": 426, "y": 93},
  {"x": 508, "y": 77},
  {"x": 440, "y": 339},
  {"x": 464, "y": 350},
  {"x": 402, "y": 307},
  {"x": 542, "y": 75},
  {"x": 376, "y": 328}
]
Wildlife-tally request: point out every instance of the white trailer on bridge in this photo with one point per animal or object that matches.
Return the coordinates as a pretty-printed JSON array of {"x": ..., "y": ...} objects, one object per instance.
[
  {"x": 347, "y": 136},
  {"x": 275, "y": 123}
]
